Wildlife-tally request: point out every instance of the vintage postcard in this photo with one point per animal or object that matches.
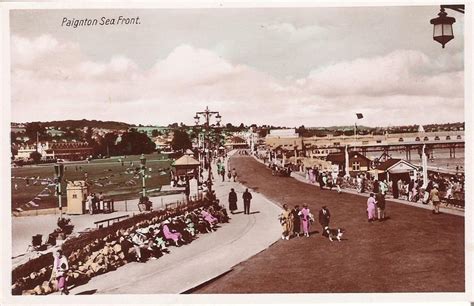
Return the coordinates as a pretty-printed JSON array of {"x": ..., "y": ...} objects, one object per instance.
[{"x": 182, "y": 153}]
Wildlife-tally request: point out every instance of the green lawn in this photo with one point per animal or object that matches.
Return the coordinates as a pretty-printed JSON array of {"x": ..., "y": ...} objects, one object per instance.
[{"x": 105, "y": 175}]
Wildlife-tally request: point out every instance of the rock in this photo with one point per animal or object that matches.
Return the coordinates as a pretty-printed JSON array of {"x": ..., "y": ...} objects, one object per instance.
[
  {"x": 89, "y": 273},
  {"x": 105, "y": 250},
  {"x": 37, "y": 290},
  {"x": 94, "y": 267},
  {"x": 33, "y": 275},
  {"x": 121, "y": 255},
  {"x": 117, "y": 248},
  {"x": 82, "y": 268},
  {"x": 45, "y": 288},
  {"x": 28, "y": 292},
  {"x": 93, "y": 255},
  {"x": 99, "y": 259}
]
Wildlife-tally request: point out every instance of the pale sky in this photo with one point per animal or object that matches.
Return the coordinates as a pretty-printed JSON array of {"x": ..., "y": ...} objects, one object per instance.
[{"x": 280, "y": 66}]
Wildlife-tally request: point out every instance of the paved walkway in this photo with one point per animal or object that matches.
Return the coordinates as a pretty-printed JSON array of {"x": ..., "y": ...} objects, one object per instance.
[
  {"x": 207, "y": 257},
  {"x": 451, "y": 211}
]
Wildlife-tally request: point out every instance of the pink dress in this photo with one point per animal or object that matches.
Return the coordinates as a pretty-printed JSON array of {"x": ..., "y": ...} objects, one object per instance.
[
  {"x": 304, "y": 216},
  {"x": 371, "y": 208},
  {"x": 169, "y": 235},
  {"x": 208, "y": 217}
]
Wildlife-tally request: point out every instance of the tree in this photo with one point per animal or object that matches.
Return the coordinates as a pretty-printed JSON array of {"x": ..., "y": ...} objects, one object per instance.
[
  {"x": 155, "y": 133},
  {"x": 107, "y": 146},
  {"x": 134, "y": 142},
  {"x": 181, "y": 141},
  {"x": 262, "y": 132},
  {"x": 35, "y": 156},
  {"x": 34, "y": 129}
]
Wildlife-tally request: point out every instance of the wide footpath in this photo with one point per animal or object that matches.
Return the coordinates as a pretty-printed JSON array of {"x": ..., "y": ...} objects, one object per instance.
[
  {"x": 412, "y": 251},
  {"x": 207, "y": 257}
]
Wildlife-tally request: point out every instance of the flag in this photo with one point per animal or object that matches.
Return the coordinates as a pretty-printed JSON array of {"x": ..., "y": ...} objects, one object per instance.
[{"x": 359, "y": 116}]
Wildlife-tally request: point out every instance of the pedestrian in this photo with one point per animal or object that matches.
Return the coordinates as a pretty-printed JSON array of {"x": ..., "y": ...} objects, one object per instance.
[
  {"x": 232, "y": 200},
  {"x": 380, "y": 200},
  {"x": 384, "y": 187},
  {"x": 376, "y": 188},
  {"x": 371, "y": 207},
  {"x": 286, "y": 221},
  {"x": 305, "y": 219},
  {"x": 234, "y": 173},
  {"x": 223, "y": 173},
  {"x": 101, "y": 201},
  {"x": 60, "y": 269},
  {"x": 296, "y": 221},
  {"x": 247, "y": 196},
  {"x": 324, "y": 218},
  {"x": 321, "y": 182},
  {"x": 411, "y": 186},
  {"x": 397, "y": 186},
  {"x": 434, "y": 198},
  {"x": 339, "y": 182},
  {"x": 89, "y": 206}
]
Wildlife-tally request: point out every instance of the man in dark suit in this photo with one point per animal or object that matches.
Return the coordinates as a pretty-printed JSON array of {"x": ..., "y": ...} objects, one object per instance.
[
  {"x": 324, "y": 217},
  {"x": 247, "y": 196}
]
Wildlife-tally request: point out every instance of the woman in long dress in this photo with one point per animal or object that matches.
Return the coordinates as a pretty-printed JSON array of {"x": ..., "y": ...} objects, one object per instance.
[
  {"x": 286, "y": 221},
  {"x": 60, "y": 268},
  {"x": 371, "y": 207},
  {"x": 305, "y": 219},
  {"x": 232, "y": 200}
]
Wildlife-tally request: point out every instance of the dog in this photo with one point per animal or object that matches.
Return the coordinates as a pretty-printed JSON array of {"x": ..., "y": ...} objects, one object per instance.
[{"x": 334, "y": 233}]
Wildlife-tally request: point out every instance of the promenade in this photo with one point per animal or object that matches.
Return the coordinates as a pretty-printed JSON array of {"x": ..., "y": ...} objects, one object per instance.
[{"x": 209, "y": 256}]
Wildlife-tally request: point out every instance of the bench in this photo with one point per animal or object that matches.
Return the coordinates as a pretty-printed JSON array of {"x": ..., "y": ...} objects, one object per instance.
[{"x": 99, "y": 224}]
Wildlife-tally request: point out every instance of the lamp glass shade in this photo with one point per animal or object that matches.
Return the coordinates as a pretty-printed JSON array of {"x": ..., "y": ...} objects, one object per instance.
[
  {"x": 437, "y": 30},
  {"x": 447, "y": 29}
]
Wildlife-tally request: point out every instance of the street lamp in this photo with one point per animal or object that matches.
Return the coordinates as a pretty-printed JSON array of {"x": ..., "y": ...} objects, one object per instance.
[
  {"x": 143, "y": 170},
  {"x": 207, "y": 115},
  {"x": 443, "y": 25},
  {"x": 58, "y": 174}
]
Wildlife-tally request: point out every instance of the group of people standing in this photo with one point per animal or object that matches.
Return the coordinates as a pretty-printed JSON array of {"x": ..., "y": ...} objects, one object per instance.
[
  {"x": 246, "y": 197},
  {"x": 298, "y": 221},
  {"x": 95, "y": 202},
  {"x": 376, "y": 207}
]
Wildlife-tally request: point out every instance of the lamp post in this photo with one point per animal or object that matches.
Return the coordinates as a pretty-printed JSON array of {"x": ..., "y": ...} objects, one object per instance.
[
  {"x": 207, "y": 115},
  {"x": 143, "y": 172},
  {"x": 443, "y": 25},
  {"x": 58, "y": 174}
]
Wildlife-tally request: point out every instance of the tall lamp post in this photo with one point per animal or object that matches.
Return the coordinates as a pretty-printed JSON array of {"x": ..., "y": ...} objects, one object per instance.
[
  {"x": 143, "y": 172},
  {"x": 443, "y": 25},
  {"x": 207, "y": 116},
  {"x": 58, "y": 174}
]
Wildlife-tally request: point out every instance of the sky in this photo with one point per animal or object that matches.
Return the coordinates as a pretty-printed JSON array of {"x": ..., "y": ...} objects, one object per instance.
[{"x": 312, "y": 66}]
